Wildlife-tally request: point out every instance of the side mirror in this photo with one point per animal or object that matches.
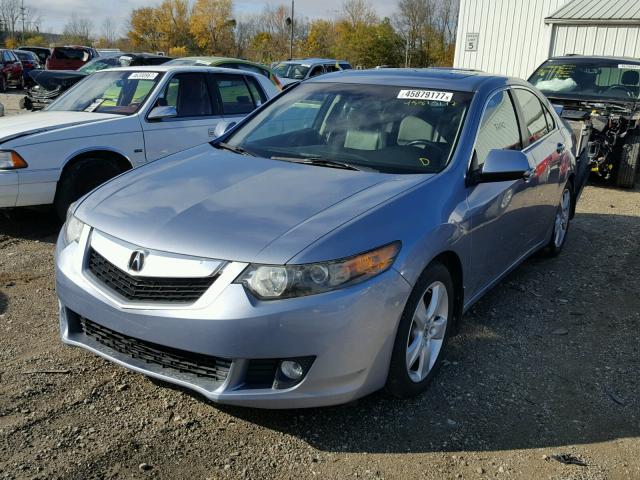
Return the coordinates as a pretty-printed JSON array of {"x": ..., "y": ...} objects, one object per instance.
[
  {"x": 160, "y": 113},
  {"x": 222, "y": 128},
  {"x": 504, "y": 165}
]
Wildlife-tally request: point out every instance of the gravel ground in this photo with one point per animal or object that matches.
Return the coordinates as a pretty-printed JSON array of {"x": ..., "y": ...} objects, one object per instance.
[{"x": 545, "y": 369}]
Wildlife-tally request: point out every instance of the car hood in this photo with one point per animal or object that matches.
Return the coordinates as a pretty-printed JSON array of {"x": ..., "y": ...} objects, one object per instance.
[
  {"x": 17, "y": 126},
  {"x": 213, "y": 204},
  {"x": 52, "y": 79}
]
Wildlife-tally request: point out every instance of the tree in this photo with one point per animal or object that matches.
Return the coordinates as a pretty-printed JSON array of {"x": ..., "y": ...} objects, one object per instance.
[
  {"x": 109, "y": 32},
  {"x": 143, "y": 29},
  {"x": 211, "y": 25},
  {"x": 321, "y": 39},
  {"x": 77, "y": 30},
  {"x": 9, "y": 15},
  {"x": 172, "y": 22},
  {"x": 358, "y": 12}
]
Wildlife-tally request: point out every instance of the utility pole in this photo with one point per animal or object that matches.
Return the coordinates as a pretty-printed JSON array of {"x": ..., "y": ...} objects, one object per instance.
[
  {"x": 291, "y": 45},
  {"x": 22, "y": 14}
]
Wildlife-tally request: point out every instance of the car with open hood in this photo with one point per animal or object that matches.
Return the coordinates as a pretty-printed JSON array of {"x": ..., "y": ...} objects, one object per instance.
[
  {"x": 325, "y": 247},
  {"x": 600, "y": 98},
  {"x": 114, "y": 120}
]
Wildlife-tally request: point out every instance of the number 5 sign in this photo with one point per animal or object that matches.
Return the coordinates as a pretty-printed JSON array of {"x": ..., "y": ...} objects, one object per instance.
[{"x": 471, "y": 45}]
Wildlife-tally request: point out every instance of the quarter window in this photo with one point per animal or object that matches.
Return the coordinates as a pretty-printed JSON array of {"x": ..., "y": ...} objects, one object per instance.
[
  {"x": 258, "y": 95},
  {"x": 498, "y": 129},
  {"x": 534, "y": 117},
  {"x": 235, "y": 95},
  {"x": 189, "y": 94}
]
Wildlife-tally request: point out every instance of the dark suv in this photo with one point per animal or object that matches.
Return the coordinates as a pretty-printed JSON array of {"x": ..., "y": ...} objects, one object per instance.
[
  {"x": 11, "y": 70},
  {"x": 600, "y": 99}
]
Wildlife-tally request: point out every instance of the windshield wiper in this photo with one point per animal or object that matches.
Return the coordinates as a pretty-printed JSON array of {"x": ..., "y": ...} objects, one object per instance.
[
  {"x": 234, "y": 149},
  {"x": 320, "y": 162}
]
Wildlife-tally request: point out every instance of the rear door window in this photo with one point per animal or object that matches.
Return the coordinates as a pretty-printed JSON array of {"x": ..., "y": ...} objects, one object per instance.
[
  {"x": 235, "y": 95},
  {"x": 534, "y": 117},
  {"x": 189, "y": 94},
  {"x": 6, "y": 57}
]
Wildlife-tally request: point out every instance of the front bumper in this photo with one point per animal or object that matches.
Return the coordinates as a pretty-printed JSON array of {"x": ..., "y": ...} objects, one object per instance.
[
  {"x": 350, "y": 333},
  {"x": 9, "y": 188}
]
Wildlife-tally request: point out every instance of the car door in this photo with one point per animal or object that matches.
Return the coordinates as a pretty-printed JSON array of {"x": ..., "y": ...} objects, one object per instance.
[
  {"x": 498, "y": 211},
  {"x": 196, "y": 120},
  {"x": 544, "y": 145},
  {"x": 8, "y": 67},
  {"x": 234, "y": 96}
]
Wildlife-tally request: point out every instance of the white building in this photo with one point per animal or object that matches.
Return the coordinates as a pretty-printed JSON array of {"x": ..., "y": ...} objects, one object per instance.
[{"x": 513, "y": 37}]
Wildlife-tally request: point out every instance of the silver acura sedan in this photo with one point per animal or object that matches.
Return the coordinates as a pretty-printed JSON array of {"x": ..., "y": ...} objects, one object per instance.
[{"x": 328, "y": 245}]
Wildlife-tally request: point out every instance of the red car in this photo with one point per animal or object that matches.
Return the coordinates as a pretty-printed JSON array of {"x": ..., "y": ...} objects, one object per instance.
[
  {"x": 11, "y": 69},
  {"x": 70, "y": 57}
]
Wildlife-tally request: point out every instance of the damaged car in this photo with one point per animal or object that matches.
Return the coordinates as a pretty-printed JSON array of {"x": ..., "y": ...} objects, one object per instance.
[
  {"x": 44, "y": 86},
  {"x": 599, "y": 97}
]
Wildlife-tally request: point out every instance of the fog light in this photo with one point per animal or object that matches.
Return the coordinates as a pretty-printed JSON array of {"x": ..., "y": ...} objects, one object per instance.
[{"x": 292, "y": 369}]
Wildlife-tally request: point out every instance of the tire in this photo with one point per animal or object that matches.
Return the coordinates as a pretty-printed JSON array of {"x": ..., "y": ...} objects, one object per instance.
[
  {"x": 406, "y": 377},
  {"x": 80, "y": 178},
  {"x": 561, "y": 222},
  {"x": 628, "y": 163},
  {"x": 3, "y": 84}
]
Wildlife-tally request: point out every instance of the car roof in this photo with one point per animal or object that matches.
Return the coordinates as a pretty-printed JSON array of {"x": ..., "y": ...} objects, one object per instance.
[
  {"x": 595, "y": 58},
  {"x": 179, "y": 68},
  {"x": 444, "y": 79},
  {"x": 314, "y": 60},
  {"x": 221, "y": 60}
]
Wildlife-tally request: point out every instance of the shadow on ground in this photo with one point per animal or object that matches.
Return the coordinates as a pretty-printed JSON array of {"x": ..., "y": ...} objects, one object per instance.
[{"x": 29, "y": 224}]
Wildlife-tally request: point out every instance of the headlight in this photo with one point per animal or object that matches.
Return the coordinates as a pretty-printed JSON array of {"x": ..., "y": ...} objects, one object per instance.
[
  {"x": 72, "y": 229},
  {"x": 285, "y": 281},
  {"x": 10, "y": 160}
]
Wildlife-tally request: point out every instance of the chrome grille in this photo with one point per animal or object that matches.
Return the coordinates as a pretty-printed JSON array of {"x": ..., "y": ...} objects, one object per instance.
[{"x": 147, "y": 289}]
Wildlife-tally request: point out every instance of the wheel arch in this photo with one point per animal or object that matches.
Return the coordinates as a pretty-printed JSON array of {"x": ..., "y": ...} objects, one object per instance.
[
  {"x": 123, "y": 162},
  {"x": 453, "y": 263}
]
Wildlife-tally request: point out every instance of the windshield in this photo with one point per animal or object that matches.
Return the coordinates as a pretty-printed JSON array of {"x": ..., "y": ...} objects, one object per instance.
[
  {"x": 600, "y": 80},
  {"x": 385, "y": 128},
  {"x": 122, "y": 92},
  {"x": 296, "y": 71},
  {"x": 99, "y": 64}
]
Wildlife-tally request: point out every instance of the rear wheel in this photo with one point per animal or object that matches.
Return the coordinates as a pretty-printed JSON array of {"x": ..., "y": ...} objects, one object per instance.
[
  {"x": 422, "y": 334},
  {"x": 80, "y": 178},
  {"x": 628, "y": 164},
  {"x": 561, "y": 223}
]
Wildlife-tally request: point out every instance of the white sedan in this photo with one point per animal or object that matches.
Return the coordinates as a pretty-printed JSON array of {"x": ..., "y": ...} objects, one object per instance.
[{"x": 115, "y": 120}]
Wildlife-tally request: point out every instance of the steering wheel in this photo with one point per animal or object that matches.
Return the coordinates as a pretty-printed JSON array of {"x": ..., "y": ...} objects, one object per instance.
[
  {"x": 429, "y": 147},
  {"x": 621, "y": 87}
]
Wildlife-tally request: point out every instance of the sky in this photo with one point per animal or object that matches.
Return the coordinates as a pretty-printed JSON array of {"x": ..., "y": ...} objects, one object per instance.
[{"x": 55, "y": 13}]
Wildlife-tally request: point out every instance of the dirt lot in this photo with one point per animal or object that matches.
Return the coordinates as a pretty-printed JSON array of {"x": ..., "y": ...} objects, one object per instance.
[{"x": 546, "y": 365}]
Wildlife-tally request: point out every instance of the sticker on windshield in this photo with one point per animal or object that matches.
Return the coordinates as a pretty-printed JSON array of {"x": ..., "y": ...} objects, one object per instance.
[
  {"x": 143, "y": 76},
  {"x": 426, "y": 95},
  {"x": 629, "y": 66}
]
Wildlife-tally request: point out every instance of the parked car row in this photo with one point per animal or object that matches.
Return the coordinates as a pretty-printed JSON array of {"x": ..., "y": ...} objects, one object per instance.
[{"x": 288, "y": 249}]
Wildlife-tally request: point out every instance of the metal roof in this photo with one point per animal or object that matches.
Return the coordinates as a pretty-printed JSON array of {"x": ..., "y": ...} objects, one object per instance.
[{"x": 597, "y": 11}]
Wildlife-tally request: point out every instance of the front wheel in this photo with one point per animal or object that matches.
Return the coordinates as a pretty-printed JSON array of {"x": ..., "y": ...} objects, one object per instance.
[
  {"x": 561, "y": 223},
  {"x": 3, "y": 83},
  {"x": 422, "y": 334},
  {"x": 629, "y": 162}
]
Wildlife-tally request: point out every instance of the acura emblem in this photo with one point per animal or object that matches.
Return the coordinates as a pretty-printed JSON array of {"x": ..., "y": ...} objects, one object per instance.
[{"x": 136, "y": 262}]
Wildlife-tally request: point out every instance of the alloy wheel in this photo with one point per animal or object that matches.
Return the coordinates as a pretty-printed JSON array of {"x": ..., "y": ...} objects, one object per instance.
[
  {"x": 562, "y": 218},
  {"x": 427, "y": 331}
]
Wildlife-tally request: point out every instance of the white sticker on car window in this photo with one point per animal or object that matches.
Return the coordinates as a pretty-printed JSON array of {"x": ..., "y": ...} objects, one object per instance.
[
  {"x": 426, "y": 95},
  {"x": 143, "y": 76},
  {"x": 629, "y": 66}
]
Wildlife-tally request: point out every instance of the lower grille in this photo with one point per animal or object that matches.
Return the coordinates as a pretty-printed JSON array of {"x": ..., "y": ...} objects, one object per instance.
[
  {"x": 149, "y": 289},
  {"x": 166, "y": 357}
]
